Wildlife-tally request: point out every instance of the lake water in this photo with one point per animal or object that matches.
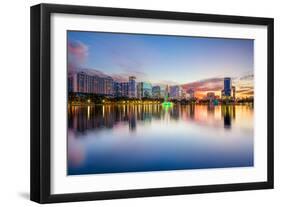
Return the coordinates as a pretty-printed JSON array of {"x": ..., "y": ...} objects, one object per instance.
[{"x": 137, "y": 138}]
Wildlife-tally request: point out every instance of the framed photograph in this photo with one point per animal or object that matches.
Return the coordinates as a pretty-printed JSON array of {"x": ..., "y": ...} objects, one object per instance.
[{"x": 133, "y": 103}]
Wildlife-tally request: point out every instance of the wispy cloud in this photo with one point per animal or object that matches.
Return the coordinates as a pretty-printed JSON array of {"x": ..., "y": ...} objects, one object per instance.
[
  {"x": 123, "y": 76},
  {"x": 210, "y": 84},
  {"x": 245, "y": 91},
  {"x": 247, "y": 77},
  {"x": 166, "y": 82},
  {"x": 244, "y": 85}
]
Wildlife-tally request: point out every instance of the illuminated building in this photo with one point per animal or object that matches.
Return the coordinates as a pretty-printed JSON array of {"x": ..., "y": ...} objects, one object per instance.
[
  {"x": 175, "y": 92},
  {"x": 144, "y": 90},
  {"x": 124, "y": 89},
  {"x": 107, "y": 86},
  {"x": 82, "y": 82},
  {"x": 226, "y": 92},
  {"x": 162, "y": 91},
  {"x": 156, "y": 91},
  {"x": 117, "y": 89},
  {"x": 132, "y": 87}
]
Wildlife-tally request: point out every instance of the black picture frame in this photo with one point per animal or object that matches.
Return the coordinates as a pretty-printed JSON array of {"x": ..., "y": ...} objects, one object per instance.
[{"x": 40, "y": 102}]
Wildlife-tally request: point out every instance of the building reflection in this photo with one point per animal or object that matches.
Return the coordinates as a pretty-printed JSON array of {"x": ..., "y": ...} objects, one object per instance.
[
  {"x": 132, "y": 120},
  {"x": 192, "y": 111},
  {"x": 228, "y": 114},
  {"x": 211, "y": 109},
  {"x": 99, "y": 117}
]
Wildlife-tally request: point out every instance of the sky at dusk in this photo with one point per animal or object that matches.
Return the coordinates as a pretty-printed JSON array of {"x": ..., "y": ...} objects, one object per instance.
[{"x": 193, "y": 62}]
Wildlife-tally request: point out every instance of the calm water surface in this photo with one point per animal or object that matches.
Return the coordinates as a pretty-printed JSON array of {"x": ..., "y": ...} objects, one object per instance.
[{"x": 135, "y": 138}]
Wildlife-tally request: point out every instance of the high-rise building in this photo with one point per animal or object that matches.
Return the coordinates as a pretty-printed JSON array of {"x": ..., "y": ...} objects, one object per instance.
[
  {"x": 81, "y": 82},
  {"x": 107, "y": 86},
  {"x": 156, "y": 91},
  {"x": 139, "y": 89},
  {"x": 227, "y": 87},
  {"x": 132, "y": 87},
  {"x": 124, "y": 89},
  {"x": 162, "y": 91},
  {"x": 144, "y": 90},
  {"x": 117, "y": 92},
  {"x": 167, "y": 91},
  {"x": 175, "y": 92},
  {"x": 70, "y": 83}
]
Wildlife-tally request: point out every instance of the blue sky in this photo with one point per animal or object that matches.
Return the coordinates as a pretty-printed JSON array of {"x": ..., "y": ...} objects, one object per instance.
[{"x": 161, "y": 58}]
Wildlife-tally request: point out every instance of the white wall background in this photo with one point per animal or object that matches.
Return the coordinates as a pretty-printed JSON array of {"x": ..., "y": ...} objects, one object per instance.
[{"x": 14, "y": 101}]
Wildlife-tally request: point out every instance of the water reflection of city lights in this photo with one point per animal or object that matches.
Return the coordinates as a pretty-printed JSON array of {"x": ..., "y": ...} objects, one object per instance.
[
  {"x": 167, "y": 105},
  {"x": 88, "y": 112},
  {"x": 82, "y": 118}
]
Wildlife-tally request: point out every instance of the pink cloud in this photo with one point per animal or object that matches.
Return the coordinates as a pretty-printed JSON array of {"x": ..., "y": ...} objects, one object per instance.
[
  {"x": 77, "y": 54},
  {"x": 211, "y": 84}
]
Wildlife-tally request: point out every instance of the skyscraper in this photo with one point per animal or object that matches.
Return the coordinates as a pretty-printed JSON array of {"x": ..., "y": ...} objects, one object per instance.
[
  {"x": 175, "y": 92},
  {"x": 107, "y": 86},
  {"x": 132, "y": 87},
  {"x": 82, "y": 82},
  {"x": 124, "y": 89},
  {"x": 117, "y": 89},
  {"x": 162, "y": 91},
  {"x": 227, "y": 86},
  {"x": 144, "y": 90},
  {"x": 156, "y": 91}
]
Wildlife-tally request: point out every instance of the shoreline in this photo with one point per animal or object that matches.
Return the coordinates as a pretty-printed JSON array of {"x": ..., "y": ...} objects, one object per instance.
[{"x": 160, "y": 104}]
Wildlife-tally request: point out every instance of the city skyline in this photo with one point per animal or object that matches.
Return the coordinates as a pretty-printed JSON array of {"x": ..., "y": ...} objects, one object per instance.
[
  {"x": 89, "y": 82},
  {"x": 201, "y": 63}
]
